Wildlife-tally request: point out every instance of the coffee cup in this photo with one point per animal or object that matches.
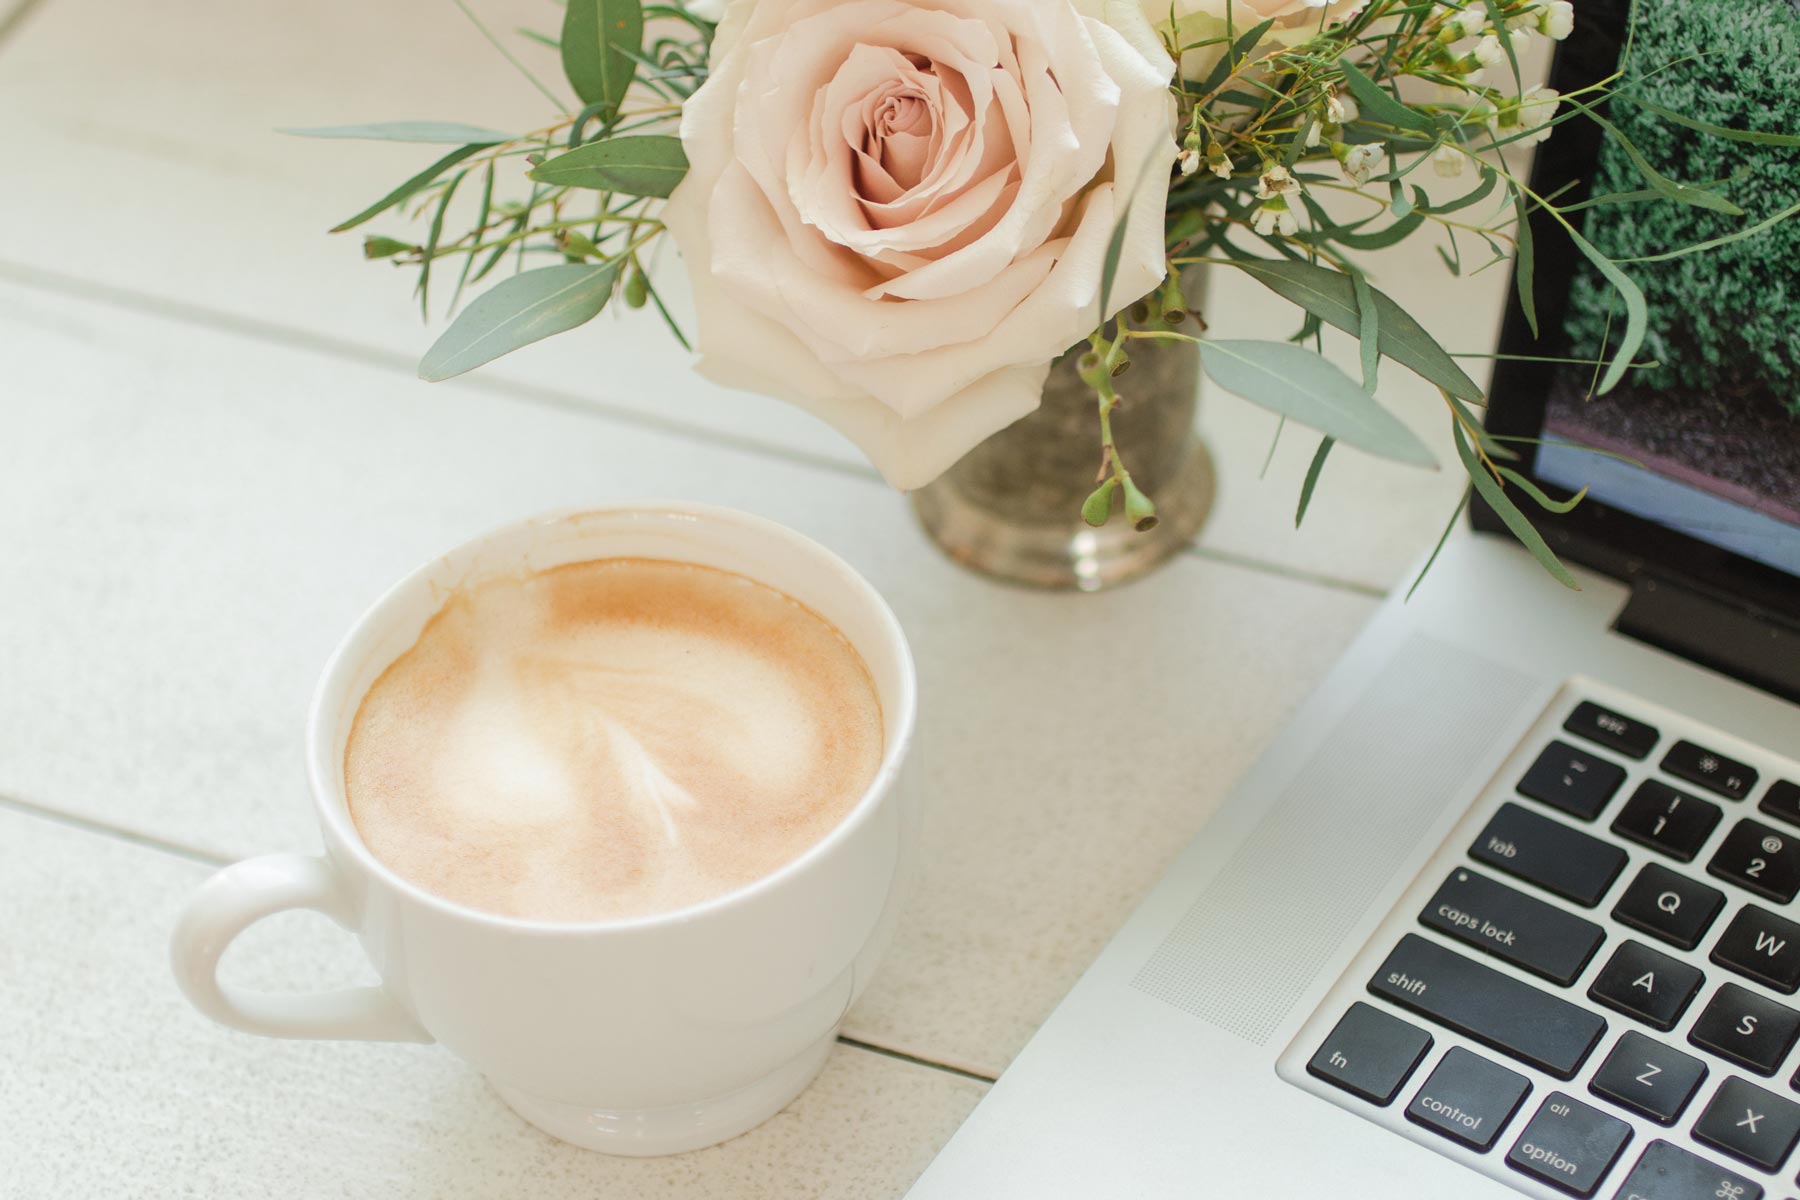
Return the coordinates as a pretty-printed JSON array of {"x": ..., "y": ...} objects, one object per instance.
[{"x": 652, "y": 1034}]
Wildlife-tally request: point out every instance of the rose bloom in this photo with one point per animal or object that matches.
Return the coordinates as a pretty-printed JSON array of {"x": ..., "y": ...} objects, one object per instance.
[
  {"x": 897, "y": 211},
  {"x": 1204, "y": 20}
]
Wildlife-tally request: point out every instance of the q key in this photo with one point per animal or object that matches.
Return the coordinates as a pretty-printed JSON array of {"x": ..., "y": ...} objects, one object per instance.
[{"x": 1669, "y": 906}]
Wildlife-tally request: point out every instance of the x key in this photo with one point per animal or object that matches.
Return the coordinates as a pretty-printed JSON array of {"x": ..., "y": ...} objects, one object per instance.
[{"x": 1750, "y": 1123}]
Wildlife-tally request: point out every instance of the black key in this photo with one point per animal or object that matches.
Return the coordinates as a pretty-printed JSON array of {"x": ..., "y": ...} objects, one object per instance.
[
  {"x": 1746, "y": 1028},
  {"x": 1648, "y": 1077},
  {"x": 1762, "y": 859},
  {"x": 1370, "y": 1053},
  {"x": 1468, "y": 1099},
  {"x": 1664, "y": 819},
  {"x": 1750, "y": 1123},
  {"x": 1550, "y": 854},
  {"x": 1763, "y": 946},
  {"x": 1510, "y": 925},
  {"x": 1667, "y": 1172},
  {"x": 1782, "y": 801},
  {"x": 1669, "y": 905},
  {"x": 1479, "y": 1002},
  {"x": 1615, "y": 731},
  {"x": 1646, "y": 984},
  {"x": 1569, "y": 1145},
  {"x": 1714, "y": 772},
  {"x": 1572, "y": 780}
]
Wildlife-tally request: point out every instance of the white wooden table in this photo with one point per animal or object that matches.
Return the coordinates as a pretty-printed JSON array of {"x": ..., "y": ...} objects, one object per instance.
[{"x": 213, "y": 454}]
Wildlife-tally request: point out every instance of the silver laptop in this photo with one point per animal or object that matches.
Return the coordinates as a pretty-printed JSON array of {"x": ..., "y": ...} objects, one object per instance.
[{"x": 1510, "y": 906}]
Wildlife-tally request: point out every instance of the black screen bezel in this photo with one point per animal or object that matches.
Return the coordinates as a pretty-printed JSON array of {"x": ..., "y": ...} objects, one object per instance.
[{"x": 1595, "y": 534}]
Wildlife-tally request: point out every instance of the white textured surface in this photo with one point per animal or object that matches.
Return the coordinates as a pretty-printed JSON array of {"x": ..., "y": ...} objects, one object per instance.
[{"x": 115, "y": 1088}]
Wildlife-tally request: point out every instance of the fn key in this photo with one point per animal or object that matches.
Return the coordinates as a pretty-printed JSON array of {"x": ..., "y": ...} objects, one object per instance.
[{"x": 1370, "y": 1054}]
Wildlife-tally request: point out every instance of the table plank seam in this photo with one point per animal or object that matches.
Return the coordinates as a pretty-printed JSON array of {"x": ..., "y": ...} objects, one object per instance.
[
  {"x": 116, "y": 832},
  {"x": 1282, "y": 570}
]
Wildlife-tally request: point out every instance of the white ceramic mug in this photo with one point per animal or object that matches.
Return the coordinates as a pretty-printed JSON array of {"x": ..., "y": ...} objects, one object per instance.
[{"x": 644, "y": 1036}]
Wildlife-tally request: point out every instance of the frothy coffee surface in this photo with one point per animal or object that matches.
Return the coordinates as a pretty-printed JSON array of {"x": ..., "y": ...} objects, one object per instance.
[{"x": 611, "y": 739}]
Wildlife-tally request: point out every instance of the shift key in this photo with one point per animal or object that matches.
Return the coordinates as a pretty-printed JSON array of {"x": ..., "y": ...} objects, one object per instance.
[
  {"x": 1548, "y": 853},
  {"x": 1495, "y": 1009}
]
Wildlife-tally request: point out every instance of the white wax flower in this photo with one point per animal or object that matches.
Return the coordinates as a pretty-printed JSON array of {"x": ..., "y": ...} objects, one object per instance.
[
  {"x": 1362, "y": 161},
  {"x": 1558, "y": 20},
  {"x": 1448, "y": 161}
]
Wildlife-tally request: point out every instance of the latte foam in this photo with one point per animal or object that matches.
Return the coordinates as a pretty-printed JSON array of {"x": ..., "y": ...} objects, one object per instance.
[{"x": 611, "y": 739}]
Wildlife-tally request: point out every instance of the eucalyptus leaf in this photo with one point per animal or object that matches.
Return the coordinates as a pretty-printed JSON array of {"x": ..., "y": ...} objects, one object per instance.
[
  {"x": 1379, "y": 106},
  {"x": 599, "y": 41},
  {"x": 1489, "y": 177},
  {"x": 1300, "y": 384},
  {"x": 443, "y": 133},
  {"x": 1525, "y": 265},
  {"x": 646, "y": 165},
  {"x": 423, "y": 179},
  {"x": 1331, "y": 296},
  {"x": 1381, "y": 239},
  {"x": 1637, "y": 313},
  {"x": 1368, "y": 333},
  {"x": 517, "y": 312},
  {"x": 1719, "y": 131},
  {"x": 1438, "y": 549},
  {"x": 1312, "y": 479},
  {"x": 1662, "y": 185},
  {"x": 1508, "y": 512}
]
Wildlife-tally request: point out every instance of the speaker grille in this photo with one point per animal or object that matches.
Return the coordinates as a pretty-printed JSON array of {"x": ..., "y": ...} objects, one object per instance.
[{"x": 1331, "y": 842}]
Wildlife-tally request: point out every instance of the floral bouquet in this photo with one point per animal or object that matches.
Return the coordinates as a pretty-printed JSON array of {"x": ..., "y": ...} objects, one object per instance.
[{"x": 898, "y": 213}]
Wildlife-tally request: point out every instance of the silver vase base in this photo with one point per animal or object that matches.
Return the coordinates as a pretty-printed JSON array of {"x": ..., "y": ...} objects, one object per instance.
[{"x": 1066, "y": 554}]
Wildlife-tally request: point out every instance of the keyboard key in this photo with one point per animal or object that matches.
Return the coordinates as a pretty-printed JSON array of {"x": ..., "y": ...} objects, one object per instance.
[
  {"x": 1763, "y": 946},
  {"x": 1648, "y": 1078},
  {"x": 1628, "y": 735},
  {"x": 1669, "y": 905},
  {"x": 1714, "y": 772},
  {"x": 1468, "y": 1099},
  {"x": 1510, "y": 925},
  {"x": 1569, "y": 1145},
  {"x": 1742, "y": 1026},
  {"x": 1572, "y": 780},
  {"x": 1762, "y": 859},
  {"x": 1646, "y": 984},
  {"x": 1370, "y": 1054},
  {"x": 1667, "y": 1172},
  {"x": 1664, "y": 819},
  {"x": 1750, "y": 1123},
  {"x": 1550, "y": 854},
  {"x": 1479, "y": 1002},
  {"x": 1782, "y": 801}
]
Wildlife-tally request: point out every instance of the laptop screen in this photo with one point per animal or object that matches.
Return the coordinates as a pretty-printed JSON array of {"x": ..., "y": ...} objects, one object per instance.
[{"x": 1705, "y": 438}]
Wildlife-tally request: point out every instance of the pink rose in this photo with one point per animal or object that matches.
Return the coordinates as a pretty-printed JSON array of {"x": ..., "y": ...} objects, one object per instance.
[{"x": 897, "y": 211}]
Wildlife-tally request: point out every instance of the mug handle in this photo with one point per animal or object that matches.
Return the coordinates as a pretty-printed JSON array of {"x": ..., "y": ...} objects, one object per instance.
[{"x": 235, "y": 899}]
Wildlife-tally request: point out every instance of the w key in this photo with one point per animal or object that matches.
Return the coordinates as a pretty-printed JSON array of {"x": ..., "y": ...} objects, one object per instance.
[
  {"x": 1762, "y": 859},
  {"x": 1763, "y": 946}
]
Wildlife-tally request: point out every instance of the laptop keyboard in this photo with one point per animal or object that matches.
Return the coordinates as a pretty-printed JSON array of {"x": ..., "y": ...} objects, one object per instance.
[{"x": 1591, "y": 989}]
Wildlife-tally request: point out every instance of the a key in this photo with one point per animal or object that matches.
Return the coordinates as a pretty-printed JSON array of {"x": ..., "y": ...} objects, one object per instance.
[
  {"x": 1548, "y": 853},
  {"x": 1669, "y": 905},
  {"x": 1782, "y": 801},
  {"x": 1572, "y": 780},
  {"x": 1479, "y": 1002},
  {"x": 1763, "y": 946},
  {"x": 1714, "y": 772},
  {"x": 1765, "y": 860},
  {"x": 1370, "y": 1053},
  {"x": 1750, "y": 1123},
  {"x": 1752, "y": 1031},
  {"x": 1616, "y": 731},
  {"x": 1646, "y": 984},
  {"x": 1468, "y": 1099},
  {"x": 1569, "y": 1145},
  {"x": 1662, "y": 818},
  {"x": 1667, "y": 1172},
  {"x": 1510, "y": 925},
  {"x": 1649, "y": 1078}
]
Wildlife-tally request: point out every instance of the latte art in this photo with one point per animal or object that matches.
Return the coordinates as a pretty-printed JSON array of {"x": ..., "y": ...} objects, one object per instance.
[{"x": 611, "y": 739}]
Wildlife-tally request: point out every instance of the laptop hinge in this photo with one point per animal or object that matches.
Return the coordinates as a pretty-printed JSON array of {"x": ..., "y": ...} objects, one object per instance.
[{"x": 1758, "y": 648}]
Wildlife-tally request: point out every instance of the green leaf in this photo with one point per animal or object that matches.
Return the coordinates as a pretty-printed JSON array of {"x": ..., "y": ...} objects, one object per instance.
[
  {"x": 481, "y": 220},
  {"x": 377, "y": 246},
  {"x": 1378, "y": 105},
  {"x": 1439, "y": 548},
  {"x": 1312, "y": 479},
  {"x": 1538, "y": 495},
  {"x": 1298, "y": 383},
  {"x": 1719, "y": 131},
  {"x": 1381, "y": 239},
  {"x": 1497, "y": 15},
  {"x": 1508, "y": 512},
  {"x": 1368, "y": 334},
  {"x": 1331, "y": 296},
  {"x": 445, "y": 133},
  {"x": 1637, "y": 313},
  {"x": 599, "y": 40},
  {"x": 1662, "y": 185},
  {"x": 1525, "y": 265},
  {"x": 431, "y": 242},
  {"x": 1239, "y": 48},
  {"x": 517, "y": 312},
  {"x": 648, "y": 165},
  {"x": 1489, "y": 177},
  {"x": 423, "y": 179}
]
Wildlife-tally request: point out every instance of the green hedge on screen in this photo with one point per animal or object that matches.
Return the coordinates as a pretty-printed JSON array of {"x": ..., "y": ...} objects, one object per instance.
[{"x": 1727, "y": 321}]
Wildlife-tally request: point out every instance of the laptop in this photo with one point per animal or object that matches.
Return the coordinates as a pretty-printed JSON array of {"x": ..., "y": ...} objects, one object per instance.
[{"x": 1509, "y": 908}]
